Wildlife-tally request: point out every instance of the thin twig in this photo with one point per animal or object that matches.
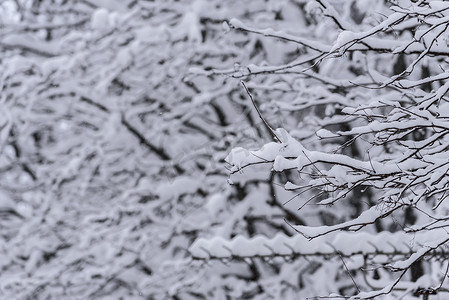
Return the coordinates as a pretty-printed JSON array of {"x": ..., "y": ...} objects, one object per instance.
[
  {"x": 347, "y": 270},
  {"x": 269, "y": 128}
]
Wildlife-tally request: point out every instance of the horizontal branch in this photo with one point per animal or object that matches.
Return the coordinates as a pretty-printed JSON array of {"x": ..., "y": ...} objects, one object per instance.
[{"x": 399, "y": 245}]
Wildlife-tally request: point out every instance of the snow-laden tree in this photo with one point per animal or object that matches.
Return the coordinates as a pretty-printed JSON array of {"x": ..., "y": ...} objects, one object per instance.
[
  {"x": 117, "y": 117},
  {"x": 378, "y": 83},
  {"x": 113, "y": 147}
]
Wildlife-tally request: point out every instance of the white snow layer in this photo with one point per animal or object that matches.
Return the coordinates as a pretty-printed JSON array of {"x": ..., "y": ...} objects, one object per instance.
[{"x": 344, "y": 243}]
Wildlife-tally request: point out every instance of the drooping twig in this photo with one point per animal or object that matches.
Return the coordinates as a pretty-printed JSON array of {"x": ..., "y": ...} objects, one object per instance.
[
  {"x": 349, "y": 273},
  {"x": 269, "y": 128}
]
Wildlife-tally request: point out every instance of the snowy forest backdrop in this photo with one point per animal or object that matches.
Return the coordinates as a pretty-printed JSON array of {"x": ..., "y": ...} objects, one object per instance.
[{"x": 206, "y": 149}]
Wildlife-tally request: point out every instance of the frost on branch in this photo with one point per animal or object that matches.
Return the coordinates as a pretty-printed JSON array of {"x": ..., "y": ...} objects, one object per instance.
[
  {"x": 381, "y": 143},
  {"x": 387, "y": 248},
  {"x": 117, "y": 117}
]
